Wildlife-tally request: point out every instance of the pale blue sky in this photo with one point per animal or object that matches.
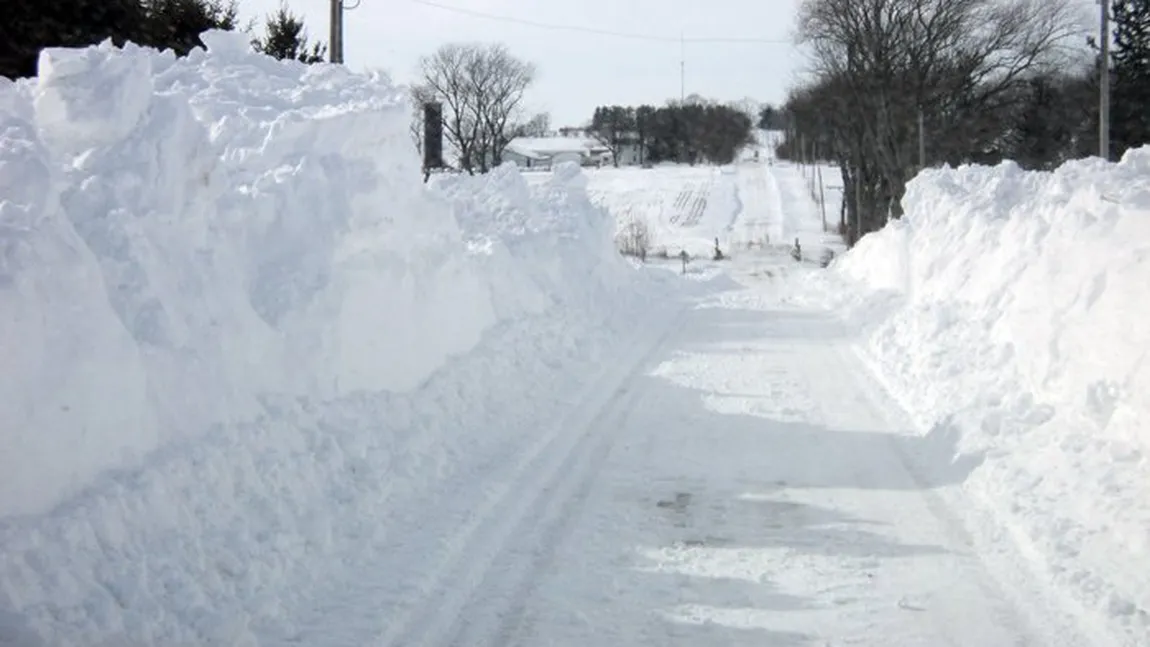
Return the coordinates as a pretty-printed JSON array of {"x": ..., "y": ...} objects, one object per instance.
[{"x": 578, "y": 71}]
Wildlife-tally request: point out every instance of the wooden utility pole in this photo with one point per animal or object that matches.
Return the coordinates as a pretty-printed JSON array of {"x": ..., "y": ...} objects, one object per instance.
[
  {"x": 335, "y": 37},
  {"x": 682, "y": 68}
]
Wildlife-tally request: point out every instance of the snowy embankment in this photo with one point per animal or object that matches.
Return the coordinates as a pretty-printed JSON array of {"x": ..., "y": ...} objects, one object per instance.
[
  {"x": 235, "y": 327},
  {"x": 1009, "y": 308}
]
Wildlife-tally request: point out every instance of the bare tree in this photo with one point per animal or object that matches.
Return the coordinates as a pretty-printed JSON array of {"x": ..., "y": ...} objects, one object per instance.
[
  {"x": 499, "y": 81},
  {"x": 537, "y": 126},
  {"x": 444, "y": 76},
  {"x": 481, "y": 89},
  {"x": 749, "y": 106},
  {"x": 952, "y": 68}
]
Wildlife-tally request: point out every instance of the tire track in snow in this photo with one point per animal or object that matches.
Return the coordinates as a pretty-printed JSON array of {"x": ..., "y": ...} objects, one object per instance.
[
  {"x": 759, "y": 216},
  {"x": 558, "y": 468},
  {"x": 779, "y": 227},
  {"x": 495, "y": 616}
]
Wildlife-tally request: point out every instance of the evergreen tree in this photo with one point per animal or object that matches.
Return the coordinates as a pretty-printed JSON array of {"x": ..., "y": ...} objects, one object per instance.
[
  {"x": 177, "y": 24},
  {"x": 691, "y": 132},
  {"x": 771, "y": 118},
  {"x": 1130, "y": 59},
  {"x": 1041, "y": 130},
  {"x": 613, "y": 126},
  {"x": 285, "y": 38},
  {"x": 29, "y": 26},
  {"x": 644, "y": 129}
]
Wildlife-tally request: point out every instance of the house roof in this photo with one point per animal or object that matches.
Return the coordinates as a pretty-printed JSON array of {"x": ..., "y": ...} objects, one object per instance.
[
  {"x": 515, "y": 146},
  {"x": 544, "y": 147}
]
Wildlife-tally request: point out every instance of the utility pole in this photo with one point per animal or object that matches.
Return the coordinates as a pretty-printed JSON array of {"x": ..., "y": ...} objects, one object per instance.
[
  {"x": 682, "y": 68},
  {"x": 335, "y": 47},
  {"x": 335, "y": 38},
  {"x": 1104, "y": 84}
]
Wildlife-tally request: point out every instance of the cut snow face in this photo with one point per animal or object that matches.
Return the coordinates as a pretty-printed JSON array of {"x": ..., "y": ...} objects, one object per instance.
[
  {"x": 239, "y": 334},
  {"x": 184, "y": 236},
  {"x": 1006, "y": 308}
]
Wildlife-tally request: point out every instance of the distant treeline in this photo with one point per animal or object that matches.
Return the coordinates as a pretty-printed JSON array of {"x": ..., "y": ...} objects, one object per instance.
[{"x": 691, "y": 132}]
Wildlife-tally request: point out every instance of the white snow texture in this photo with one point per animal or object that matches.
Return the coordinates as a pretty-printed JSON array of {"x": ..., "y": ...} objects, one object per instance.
[
  {"x": 1009, "y": 308},
  {"x": 239, "y": 252},
  {"x": 238, "y": 333}
]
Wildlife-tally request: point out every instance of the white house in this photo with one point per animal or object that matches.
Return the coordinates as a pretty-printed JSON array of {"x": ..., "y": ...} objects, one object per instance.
[
  {"x": 630, "y": 154},
  {"x": 545, "y": 152}
]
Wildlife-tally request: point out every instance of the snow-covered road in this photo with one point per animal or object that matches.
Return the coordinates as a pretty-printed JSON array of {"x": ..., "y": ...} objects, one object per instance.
[
  {"x": 736, "y": 478},
  {"x": 748, "y": 487}
]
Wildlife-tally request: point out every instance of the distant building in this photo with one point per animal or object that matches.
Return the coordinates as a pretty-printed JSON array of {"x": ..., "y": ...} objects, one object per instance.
[
  {"x": 630, "y": 154},
  {"x": 574, "y": 131},
  {"x": 545, "y": 152}
]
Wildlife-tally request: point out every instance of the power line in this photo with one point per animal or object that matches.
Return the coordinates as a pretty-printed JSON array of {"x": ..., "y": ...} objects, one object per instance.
[{"x": 593, "y": 30}]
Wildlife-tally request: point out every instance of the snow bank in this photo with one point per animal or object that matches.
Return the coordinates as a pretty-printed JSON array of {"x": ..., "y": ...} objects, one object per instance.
[
  {"x": 1010, "y": 306},
  {"x": 236, "y": 327},
  {"x": 223, "y": 236}
]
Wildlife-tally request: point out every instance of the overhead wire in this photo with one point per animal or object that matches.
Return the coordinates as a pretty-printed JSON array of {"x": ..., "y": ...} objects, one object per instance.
[{"x": 593, "y": 30}]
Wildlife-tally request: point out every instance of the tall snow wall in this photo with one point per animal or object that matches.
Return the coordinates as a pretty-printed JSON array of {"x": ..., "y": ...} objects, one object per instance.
[
  {"x": 180, "y": 238},
  {"x": 1009, "y": 308}
]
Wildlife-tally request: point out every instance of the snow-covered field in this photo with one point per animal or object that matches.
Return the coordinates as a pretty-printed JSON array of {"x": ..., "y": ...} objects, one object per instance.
[
  {"x": 741, "y": 206},
  {"x": 263, "y": 387}
]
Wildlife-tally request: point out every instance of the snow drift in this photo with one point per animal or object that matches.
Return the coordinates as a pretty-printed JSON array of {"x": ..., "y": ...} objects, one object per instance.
[
  {"x": 235, "y": 327},
  {"x": 1009, "y": 307}
]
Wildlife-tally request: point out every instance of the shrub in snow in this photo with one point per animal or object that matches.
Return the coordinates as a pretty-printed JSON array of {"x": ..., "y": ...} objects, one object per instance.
[
  {"x": 827, "y": 257},
  {"x": 634, "y": 238}
]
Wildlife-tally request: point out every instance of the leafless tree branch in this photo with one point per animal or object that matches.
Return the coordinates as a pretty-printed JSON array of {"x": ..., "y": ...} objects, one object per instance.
[{"x": 481, "y": 88}]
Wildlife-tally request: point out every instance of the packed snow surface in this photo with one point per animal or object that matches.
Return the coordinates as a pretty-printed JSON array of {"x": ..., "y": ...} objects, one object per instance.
[{"x": 1008, "y": 308}]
